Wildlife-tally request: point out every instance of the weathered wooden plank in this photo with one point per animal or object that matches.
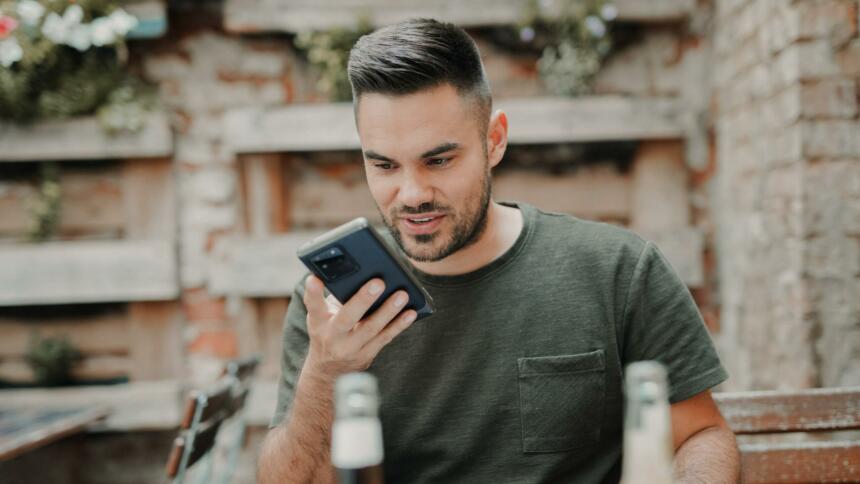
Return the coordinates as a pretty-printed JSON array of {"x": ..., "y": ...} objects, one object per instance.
[
  {"x": 251, "y": 267},
  {"x": 101, "y": 367},
  {"x": 155, "y": 328},
  {"x": 90, "y": 204},
  {"x": 301, "y": 15},
  {"x": 133, "y": 406},
  {"x": 819, "y": 462},
  {"x": 149, "y": 203},
  {"x": 77, "y": 272},
  {"x": 46, "y": 427},
  {"x": 659, "y": 190},
  {"x": 322, "y": 197},
  {"x": 820, "y": 409},
  {"x": 84, "y": 139},
  {"x": 684, "y": 249},
  {"x": 271, "y": 324},
  {"x": 264, "y": 193},
  {"x": 95, "y": 334},
  {"x": 532, "y": 121},
  {"x": 596, "y": 192}
]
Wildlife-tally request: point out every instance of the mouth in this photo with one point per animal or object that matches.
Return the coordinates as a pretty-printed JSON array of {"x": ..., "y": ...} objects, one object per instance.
[{"x": 422, "y": 224}]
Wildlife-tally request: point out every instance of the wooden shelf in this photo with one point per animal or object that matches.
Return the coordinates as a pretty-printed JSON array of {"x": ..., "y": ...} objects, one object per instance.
[
  {"x": 532, "y": 121},
  {"x": 301, "y": 15},
  {"x": 269, "y": 267},
  {"x": 258, "y": 267},
  {"x": 134, "y": 406},
  {"x": 84, "y": 139},
  {"x": 87, "y": 272}
]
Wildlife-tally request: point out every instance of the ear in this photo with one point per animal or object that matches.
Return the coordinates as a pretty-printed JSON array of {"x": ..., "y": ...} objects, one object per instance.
[{"x": 497, "y": 137}]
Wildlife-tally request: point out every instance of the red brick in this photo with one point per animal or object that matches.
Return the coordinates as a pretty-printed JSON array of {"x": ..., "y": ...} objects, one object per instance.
[
  {"x": 200, "y": 307},
  {"x": 221, "y": 343}
]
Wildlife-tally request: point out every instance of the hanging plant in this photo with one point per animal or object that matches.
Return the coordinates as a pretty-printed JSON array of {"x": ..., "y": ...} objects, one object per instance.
[
  {"x": 328, "y": 53},
  {"x": 46, "y": 208},
  {"x": 52, "y": 359},
  {"x": 61, "y": 58},
  {"x": 573, "y": 42}
]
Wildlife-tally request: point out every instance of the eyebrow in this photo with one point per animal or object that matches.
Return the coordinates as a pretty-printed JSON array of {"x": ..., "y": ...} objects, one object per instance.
[{"x": 444, "y": 147}]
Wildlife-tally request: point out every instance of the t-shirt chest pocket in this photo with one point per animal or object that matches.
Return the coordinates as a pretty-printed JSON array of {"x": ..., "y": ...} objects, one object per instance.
[{"x": 561, "y": 400}]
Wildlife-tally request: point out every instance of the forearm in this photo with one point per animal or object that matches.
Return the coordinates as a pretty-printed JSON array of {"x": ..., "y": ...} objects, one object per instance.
[
  {"x": 298, "y": 450},
  {"x": 708, "y": 457}
]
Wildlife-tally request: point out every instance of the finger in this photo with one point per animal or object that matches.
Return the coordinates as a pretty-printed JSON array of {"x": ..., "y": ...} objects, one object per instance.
[
  {"x": 333, "y": 304},
  {"x": 313, "y": 299},
  {"x": 376, "y": 322},
  {"x": 375, "y": 345},
  {"x": 354, "y": 309}
]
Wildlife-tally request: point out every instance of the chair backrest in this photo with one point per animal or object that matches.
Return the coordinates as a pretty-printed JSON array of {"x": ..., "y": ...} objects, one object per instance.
[
  {"x": 204, "y": 413},
  {"x": 242, "y": 368},
  {"x": 776, "y": 412}
]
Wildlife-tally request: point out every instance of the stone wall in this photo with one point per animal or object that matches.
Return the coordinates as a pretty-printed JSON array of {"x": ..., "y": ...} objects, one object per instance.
[{"x": 787, "y": 191}]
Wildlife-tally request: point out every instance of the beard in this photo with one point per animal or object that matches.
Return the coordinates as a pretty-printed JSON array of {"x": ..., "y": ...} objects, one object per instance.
[{"x": 468, "y": 225}]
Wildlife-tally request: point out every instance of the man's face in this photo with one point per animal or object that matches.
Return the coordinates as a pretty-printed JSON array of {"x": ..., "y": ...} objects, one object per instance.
[{"x": 427, "y": 169}]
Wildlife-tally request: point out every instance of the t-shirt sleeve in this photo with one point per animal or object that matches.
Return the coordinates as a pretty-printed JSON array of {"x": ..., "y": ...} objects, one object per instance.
[
  {"x": 663, "y": 323},
  {"x": 293, "y": 353}
]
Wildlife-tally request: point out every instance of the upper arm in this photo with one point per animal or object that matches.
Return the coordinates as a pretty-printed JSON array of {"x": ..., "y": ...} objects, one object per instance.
[{"x": 693, "y": 415}]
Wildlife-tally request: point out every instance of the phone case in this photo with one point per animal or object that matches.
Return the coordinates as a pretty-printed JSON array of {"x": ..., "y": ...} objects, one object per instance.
[{"x": 346, "y": 257}]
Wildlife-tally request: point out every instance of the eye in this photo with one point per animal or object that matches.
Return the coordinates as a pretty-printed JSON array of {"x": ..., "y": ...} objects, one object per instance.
[
  {"x": 438, "y": 161},
  {"x": 384, "y": 166}
]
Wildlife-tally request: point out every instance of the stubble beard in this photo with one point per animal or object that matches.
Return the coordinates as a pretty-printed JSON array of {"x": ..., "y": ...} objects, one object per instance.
[{"x": 464, "y": 234}]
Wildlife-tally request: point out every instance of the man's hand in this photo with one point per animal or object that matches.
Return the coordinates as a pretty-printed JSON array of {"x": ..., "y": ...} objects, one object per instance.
[{"x": 340, "y": 341}]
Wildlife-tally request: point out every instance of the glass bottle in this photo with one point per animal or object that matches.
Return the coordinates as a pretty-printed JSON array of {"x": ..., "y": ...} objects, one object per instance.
[
  {"x": 647, "y": 452},
  {"x": 356, "y": 444}
]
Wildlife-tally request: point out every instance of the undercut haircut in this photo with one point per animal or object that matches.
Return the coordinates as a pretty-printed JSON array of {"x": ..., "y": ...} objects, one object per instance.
[{"x": 419, "y": 54}]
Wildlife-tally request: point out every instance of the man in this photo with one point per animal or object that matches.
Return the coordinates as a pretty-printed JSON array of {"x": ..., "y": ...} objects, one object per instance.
[{"x": 518, "y": 376}]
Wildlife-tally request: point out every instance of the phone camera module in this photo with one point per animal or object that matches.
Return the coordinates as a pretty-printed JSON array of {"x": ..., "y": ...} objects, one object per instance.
[{"x": 333, "y": 264}]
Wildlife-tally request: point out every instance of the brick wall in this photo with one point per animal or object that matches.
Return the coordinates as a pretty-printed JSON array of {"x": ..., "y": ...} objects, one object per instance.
[{"x": 788, "y": 156}]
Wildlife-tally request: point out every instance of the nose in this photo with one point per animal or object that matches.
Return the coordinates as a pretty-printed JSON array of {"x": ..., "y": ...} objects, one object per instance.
[{"x": 414, "y": 190}]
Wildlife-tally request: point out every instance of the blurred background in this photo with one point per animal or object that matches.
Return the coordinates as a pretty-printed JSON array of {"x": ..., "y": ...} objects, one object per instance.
[{"x": 161, "y": 160}]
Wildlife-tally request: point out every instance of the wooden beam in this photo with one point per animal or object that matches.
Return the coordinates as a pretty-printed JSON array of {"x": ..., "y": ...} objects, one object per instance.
[
  {"x": 266, "y": 267},
  {"x": 133, "y": 406},
  {"x": 532, "y": 121},
  {"x": 155, "y": 329},
  {"x": 798, "y": 463},
  {"x": 90, "y": 368},
  {"x": 107, "y": 334},
  {"x": 684, "y": 248},
  {"x": 90, "y": 204},
  {"x": 61, "y": 425},
  {"x": 302, "y": 15},
  {"x": 820, "y": 409},
  {"x": 149, "y": 203},
  {"x": 80, "y": 272},
  {"x": 263, "y": 194},
  {"x": 84, "y": 139},
  {"x": 596, "y": 192}
]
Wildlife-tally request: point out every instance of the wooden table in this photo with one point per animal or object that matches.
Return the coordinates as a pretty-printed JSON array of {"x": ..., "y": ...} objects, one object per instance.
[{"x": 25, "y": 429}]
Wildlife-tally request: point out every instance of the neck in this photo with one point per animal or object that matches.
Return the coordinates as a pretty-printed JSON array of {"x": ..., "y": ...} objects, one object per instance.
[{"x": 504, "y": 225}]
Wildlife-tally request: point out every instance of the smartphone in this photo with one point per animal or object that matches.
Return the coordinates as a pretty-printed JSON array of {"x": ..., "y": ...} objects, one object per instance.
[{"x": 348, "y": 256}]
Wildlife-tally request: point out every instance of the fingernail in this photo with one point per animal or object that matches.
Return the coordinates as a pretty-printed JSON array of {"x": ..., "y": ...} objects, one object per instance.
[
  {"x": 375, "y": 288},
  {"x": 401, "y": 300},
  {"x": 410, "y": 317}
]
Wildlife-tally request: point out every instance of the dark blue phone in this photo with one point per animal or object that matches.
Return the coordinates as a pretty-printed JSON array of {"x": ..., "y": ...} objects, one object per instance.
[{"x": 348, "y": 256}]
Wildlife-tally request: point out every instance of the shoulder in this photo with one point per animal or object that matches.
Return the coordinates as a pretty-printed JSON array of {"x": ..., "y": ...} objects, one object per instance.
[{"x": 587, "y": 239}]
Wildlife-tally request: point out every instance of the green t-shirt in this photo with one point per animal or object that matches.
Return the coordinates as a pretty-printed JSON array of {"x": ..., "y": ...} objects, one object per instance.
[{"x": 517, "y": 378}]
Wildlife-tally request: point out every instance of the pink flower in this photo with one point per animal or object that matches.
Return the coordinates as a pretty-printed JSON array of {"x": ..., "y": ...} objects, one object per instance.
[{"x": 7, "y": 26}]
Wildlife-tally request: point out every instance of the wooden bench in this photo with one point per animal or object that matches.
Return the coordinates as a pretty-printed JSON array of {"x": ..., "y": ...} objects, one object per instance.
[{"x": 779, "y": 412}]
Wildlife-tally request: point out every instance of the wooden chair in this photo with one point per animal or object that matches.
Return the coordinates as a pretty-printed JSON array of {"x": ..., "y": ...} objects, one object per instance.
[
  {"x": 242, "y": 370},
  {"x": 204, "y": 413},
  {"x": 777, "y": 412}
]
